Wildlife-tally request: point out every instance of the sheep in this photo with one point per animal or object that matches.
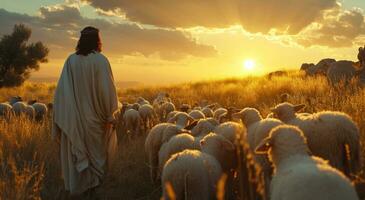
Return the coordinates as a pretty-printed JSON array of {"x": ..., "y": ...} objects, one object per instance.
[
  {"x": 165, "y": 109},
  {"x": 219, "y": 112},
  {"x": 6, "y": 110},
  {"x": 191, "y": 174},
  {"x": 19, "y": 108},
  {"x": 157, "y": 136},
  {"x": 306, "y": 66},
  {"x": 331, "y": 135},
  {"x": 141, "y": 101},
  {"x": 208, "y": 112},
  {"x": 310, "y": 69},
  {"x": 181, "y": 119},
  {"x": 298, "y": 175},
  {"x": 41, "y": 111},
  {"x": 204, "y": 127},
  {"x": 197, "y": 114},
  {"x": 132, "y": 121},
  {"x": 148, "y": 116},
  {"x": 176, "y": 144},
  {"x": 230, "y": 130},
  {"x": 29, "y": 112},
  {"x": 227, "y": 116},
  {"x": 341, "y": 71}
]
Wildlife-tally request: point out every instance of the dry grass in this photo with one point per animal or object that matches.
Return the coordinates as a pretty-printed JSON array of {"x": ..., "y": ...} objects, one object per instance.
[{"x": 29, "y": 165}]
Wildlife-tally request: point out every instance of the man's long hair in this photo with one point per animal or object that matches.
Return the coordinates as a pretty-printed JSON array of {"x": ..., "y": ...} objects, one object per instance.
[{"x": 89, "y": 41}]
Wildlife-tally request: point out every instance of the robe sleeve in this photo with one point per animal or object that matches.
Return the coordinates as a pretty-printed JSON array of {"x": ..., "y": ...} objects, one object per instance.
[{"x": 107, "y": 91}]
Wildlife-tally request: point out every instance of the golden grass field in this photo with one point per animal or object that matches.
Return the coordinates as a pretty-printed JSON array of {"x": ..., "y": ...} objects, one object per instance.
[{"x": 29, "y": 166}]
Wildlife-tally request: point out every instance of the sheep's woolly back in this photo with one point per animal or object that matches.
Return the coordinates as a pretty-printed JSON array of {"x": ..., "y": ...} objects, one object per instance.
[
  {"x": 192, "y": 175},
  {"x": 302, "y": 177},
  {"x": 197, "y": 114},
  {"x": 176, "y": 144},
  {"x": 221, "y": 149},
  {"x": 263, "y": 128},
  {"x": 207, "y": 112},
  {"x": 231, "y": 131}
]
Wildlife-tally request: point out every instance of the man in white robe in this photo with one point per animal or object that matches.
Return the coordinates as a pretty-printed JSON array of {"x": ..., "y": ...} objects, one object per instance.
[{"x": 84, "y": 106}]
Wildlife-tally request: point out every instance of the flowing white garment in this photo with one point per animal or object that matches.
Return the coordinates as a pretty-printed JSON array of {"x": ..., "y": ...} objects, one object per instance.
[{"x": 85, "y": 100}]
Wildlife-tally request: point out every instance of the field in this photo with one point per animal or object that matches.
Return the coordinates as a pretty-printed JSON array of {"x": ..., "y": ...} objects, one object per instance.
[{"x": 29, "y": 166}]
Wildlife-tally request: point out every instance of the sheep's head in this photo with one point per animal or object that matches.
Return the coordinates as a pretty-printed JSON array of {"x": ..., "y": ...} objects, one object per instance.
[
  {"x": 204, "y": 126},
  {"x": 284, "y": 97},
  {"x": 248, "y": 116},
  {"x": 185, "y": 107},
  {"x": 283, "y": 141},
  {"x": 182, "y": 119},
  {"x": 286, "y": 111}
]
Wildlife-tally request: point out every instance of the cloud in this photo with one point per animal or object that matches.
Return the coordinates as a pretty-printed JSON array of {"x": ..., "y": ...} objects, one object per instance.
[
  {"x": 58, "y": 26},
  {"x": 337, "y": 28},
  {"x": 265, "y": 16}
]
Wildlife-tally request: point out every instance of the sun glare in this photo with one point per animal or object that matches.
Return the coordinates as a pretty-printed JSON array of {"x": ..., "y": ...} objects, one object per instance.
[{"x": 249, "y": 64}]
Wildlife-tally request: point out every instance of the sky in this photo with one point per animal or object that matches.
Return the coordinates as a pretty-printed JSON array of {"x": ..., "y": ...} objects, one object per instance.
[{"x": 160, "y": 42}]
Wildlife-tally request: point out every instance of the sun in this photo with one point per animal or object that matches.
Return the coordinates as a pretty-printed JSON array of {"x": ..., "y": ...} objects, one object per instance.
[{"x": 249, "y": 64}]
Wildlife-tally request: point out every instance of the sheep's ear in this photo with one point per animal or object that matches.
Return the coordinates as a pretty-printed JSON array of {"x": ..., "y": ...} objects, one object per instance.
[
  {"x": 191, "y": 125},
  {"x": 299, "y": 107},
  {"x": 264, "y": 146}
]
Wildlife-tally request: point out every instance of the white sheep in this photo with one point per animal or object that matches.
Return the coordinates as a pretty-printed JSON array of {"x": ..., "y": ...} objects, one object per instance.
[
  {"x": 13, "y": 100},
  {"x": 300, "y": 176},
  {"x": 19, "y": 108},
  {"x": 157, "y": 136},
  {"x": 331, "y": 135},
  {"x": 258, "y": 129},
  {"x": 231, "y": 131},
  {"x": 204, "y": 127},
  {"x": 191, "y": 174},
  {"x": 176, "y": 144},
  {"x": 132, "y": 121},
  {"x": 6, "y": 110},
  {"x": 148, "y": 116},
  {"x": 181, "y": 119},
  {"x": 41, "y": 111},
  {"x": 165, "y": 109},
  {"x": 208, "y": 112},
  {"x": 171, "y": 115},
  {"x": 197, "y": 114},
  {"x": 219, "y": 112}
]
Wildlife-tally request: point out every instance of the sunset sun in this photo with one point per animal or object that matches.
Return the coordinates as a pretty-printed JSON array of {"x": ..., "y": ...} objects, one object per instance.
[{"x": 249, "y": 64}]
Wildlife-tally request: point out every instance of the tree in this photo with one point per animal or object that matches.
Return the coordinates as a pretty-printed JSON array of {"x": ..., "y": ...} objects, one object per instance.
[{"x": 17, "y": 58}]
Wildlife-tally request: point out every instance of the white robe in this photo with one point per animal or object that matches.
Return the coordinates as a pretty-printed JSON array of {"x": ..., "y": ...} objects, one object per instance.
[{"x": 85, "y": 100}]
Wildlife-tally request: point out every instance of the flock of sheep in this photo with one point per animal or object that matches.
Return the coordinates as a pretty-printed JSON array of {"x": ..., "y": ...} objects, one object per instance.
[
  {"x": 32, "y": 109},
  {"x": 338, "y": 71},
  {"x": 301, "y": 155}
]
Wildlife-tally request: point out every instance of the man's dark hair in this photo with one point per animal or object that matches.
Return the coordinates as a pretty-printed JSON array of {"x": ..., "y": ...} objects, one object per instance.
[{"x": 89, "y": 41}]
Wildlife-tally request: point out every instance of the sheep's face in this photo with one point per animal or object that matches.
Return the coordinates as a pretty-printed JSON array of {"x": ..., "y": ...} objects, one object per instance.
[
  {"x": 248, "y": 116},
  {"x": 286, "y": 111}
]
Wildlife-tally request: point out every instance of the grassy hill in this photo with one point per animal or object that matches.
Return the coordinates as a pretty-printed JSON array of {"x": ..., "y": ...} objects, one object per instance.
[{"x": 29, "y": 166}]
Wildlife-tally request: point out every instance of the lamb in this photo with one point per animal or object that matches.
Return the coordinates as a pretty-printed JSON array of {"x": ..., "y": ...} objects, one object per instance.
[
  {"x": 15, "y": 99},
  {"x": 208, "y": 112},
  {"x": 331, "y": 135},
  {"x": 148, "y": 116},
  {"x": 21, "y": 108},
  {"x": 176, "y": 144},
  {"x": 132, "y": 121},
  {"x": 231, "y": 131},
  {"x": 171, "y": 115},
  {"x": 191, "y": 174},
  {"x": 219, "y": 112},
  {"x": 165, "y": 109},
  {"x": 181, "y": 119},
  {"x": 197, "y": 114},
  {"x": 41, "y": 111},
  {"x": 341, "y": 71},
  {"x": 300, "y": 176},
  {"x": 6, "y": 110},
  {"x": 157, "y": 136},
  {"x": 204, "y": 127}
]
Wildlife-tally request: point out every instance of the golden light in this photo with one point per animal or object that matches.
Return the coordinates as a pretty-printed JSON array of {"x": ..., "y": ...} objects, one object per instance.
[{"x": 249, "y": 64}]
